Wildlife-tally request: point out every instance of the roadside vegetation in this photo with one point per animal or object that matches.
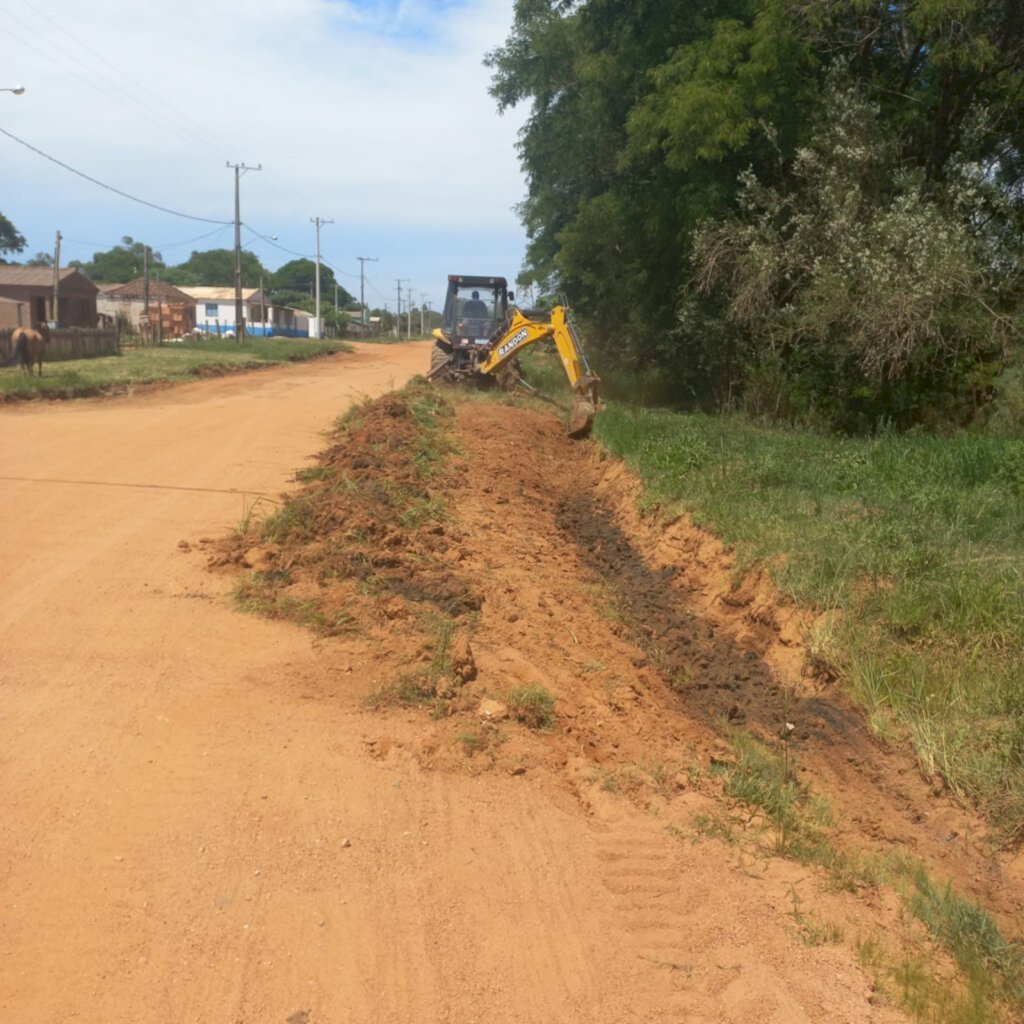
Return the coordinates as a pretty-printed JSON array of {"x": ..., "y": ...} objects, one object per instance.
[
  {"x": 76, "y": 378},
  {"x": 811, "y": 212},
  {"x": 910, "y": 545}
]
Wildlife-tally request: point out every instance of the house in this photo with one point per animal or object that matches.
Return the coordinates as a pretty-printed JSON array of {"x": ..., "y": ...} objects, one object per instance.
[
  {"x": 215, "y": 313},
  {"x": 13, "y": 314},
  {"x": 355, "y": 328},
  {"x": 33, "y": 288},
  {"x": 171, "y": 312}
]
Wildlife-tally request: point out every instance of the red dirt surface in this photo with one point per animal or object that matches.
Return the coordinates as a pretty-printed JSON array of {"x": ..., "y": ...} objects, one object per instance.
[{"x": 204, "y": 819}]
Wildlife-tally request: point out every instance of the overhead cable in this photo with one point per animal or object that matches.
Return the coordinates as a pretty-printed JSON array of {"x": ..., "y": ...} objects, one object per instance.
[{"x": 111, "y": 188}]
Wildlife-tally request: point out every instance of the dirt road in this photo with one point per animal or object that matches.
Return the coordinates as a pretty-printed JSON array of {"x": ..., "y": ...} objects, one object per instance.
[{"x": 201, "y": 822}]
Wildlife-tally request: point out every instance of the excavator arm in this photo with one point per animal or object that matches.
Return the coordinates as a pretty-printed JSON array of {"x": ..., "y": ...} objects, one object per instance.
[{"x": 523, "y": 332}]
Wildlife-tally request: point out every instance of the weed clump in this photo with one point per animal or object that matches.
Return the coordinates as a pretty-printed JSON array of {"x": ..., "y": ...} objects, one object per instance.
[{"x": 533, "y": 706}]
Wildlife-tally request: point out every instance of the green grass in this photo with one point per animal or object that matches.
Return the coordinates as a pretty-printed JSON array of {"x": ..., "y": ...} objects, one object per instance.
[
  {"x": 533, "y": 706},
  {"x": 169, "y": 362},
  {"x": 914, "y": 546}
]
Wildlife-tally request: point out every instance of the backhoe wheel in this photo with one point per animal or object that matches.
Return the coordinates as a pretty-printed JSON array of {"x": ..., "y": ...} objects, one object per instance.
[{"x": 438, "y": 357}]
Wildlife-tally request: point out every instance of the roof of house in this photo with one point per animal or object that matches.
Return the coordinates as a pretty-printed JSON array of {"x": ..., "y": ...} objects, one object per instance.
[
  {"x": 206, "y": 293},
  {"x": 136, "y": 290},
  {"x": 40, "y": 277}
]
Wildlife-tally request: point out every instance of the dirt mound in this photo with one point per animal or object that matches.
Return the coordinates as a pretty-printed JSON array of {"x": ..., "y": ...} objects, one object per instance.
[
  {"x": 362, "y": 540},
  {"x": 503, "y": 577}
]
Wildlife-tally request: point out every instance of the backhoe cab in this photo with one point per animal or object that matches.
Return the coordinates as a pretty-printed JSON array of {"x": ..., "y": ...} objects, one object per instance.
[{"x": 481, "y": 337}]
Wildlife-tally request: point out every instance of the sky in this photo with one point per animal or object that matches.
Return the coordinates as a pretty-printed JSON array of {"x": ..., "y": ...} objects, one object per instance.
[{"x": 373, "y": 114}]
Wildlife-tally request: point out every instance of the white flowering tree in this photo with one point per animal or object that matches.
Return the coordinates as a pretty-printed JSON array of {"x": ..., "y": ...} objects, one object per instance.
[{"x": 863, "y": 290}]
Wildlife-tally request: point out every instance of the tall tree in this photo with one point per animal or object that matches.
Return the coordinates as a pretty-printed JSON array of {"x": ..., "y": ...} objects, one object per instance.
[
  {"x": 294, "y": 283},
  {"x": 644, "y": 115},
  {"x": 11, "y": 240},
  {"x": 216, "y": 268},
  {"x": 122, "y": 263},
  {"x": 300, "y": 276}
]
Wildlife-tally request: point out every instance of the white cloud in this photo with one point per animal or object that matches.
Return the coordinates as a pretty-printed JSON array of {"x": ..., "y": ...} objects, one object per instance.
[{"x": 375, "y": 114}]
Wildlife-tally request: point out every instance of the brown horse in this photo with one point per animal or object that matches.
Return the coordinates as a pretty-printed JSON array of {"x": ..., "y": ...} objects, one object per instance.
[{"x": 27, "y": 345}]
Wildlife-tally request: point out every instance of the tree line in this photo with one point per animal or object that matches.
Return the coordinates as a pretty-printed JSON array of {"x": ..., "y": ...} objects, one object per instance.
[{"x": 811, "y": 209}]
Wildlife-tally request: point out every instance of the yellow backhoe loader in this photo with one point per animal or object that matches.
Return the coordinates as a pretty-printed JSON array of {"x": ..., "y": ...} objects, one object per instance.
[{"x": 481, "y": 336}]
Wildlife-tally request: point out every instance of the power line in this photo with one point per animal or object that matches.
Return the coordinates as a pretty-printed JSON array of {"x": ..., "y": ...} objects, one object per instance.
[
  {"x": 110, "y": 188},
  {"x": 187, "y": 123},
  {"x": 105, "y": 87},
  {"x": 337, "y": 270},
  {"x": 159, "y": 245},
  {"x": 299, "y": 255},
  {"x": 270, "y": 241},
  {"x": 188, "y": 241},
  {"x": 185, "y": 127}
]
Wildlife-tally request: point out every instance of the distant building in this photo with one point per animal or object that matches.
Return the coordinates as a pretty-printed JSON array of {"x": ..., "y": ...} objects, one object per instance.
[
  {"x": 171, "y": 311},
  {"x": 355, "y": 328},
  {"x": 31, "y": 289},
  {"x": 215, "y": 313}
]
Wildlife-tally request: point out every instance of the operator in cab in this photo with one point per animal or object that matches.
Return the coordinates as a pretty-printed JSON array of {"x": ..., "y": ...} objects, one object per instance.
[{"x": 475, "y": 308}]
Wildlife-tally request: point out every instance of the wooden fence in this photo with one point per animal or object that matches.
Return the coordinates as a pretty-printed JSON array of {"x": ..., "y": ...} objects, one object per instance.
[{"x": 72, "y": 343}]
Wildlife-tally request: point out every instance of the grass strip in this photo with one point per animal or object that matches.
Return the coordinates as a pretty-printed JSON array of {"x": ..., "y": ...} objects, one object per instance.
[{"x": 76, "y": 378}]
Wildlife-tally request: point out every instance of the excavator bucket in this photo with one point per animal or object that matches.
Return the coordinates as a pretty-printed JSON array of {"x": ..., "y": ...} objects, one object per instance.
[
  {"x": 581, "y": 417},
  {"x": 584, "y": 409}
]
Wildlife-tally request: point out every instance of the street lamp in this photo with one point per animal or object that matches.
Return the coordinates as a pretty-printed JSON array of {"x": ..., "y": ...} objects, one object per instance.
[{"x": 16, "y": 89}]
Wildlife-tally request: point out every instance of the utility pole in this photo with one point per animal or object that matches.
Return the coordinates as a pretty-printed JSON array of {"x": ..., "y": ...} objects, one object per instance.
[
  {"x": 363, "y": 260},
  {"x": 423, "y": 310},
  {"x": 159, "y": 311},
  {"x": 240, "y": 169},
  {"x": 56, "y": 280},
  {"x": 263, "y": 309},
  {"x": 408, "y": 312},
  {"x": 398, "y": 315},
  {"x": 144, "y": 319},
  {"x": 319, "y": 222}
]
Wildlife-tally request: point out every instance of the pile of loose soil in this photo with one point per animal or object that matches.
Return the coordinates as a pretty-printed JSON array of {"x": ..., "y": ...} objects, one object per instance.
[
  {"x": 365, "y": 540},
  {"x": 485, "y": 560}
]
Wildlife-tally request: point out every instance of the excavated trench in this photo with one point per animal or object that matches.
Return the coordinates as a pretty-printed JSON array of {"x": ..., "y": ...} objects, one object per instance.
[{"x": 535, "y": 554}]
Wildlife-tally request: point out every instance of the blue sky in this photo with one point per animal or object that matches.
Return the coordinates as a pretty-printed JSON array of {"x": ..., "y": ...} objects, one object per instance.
[{"x": 374, "y": 114}]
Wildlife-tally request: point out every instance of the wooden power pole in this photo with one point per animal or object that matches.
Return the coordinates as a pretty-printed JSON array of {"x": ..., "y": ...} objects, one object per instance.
[
  {"x": 319, "y": 222},
  {"x": 363, "y": 260},
  {"x": 240, "y": 169},
  {"x": 56, "y": 281}
]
